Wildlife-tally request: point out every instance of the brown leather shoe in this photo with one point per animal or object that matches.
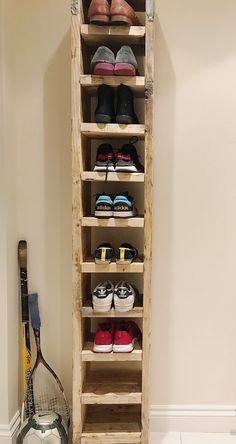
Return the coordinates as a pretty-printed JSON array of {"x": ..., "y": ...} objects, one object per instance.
[
  {"x": 99, "y": 12},
  {"x": 123, "y": 14}
]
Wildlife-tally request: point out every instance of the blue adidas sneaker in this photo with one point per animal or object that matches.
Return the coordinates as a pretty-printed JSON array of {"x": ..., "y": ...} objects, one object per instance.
[
  {"x": 123, "y": 206},
  {"x": 103, "y": 206}
]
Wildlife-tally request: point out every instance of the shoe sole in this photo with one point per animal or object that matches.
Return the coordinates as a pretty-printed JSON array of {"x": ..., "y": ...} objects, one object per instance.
[
  {"x": 120, "y": 20},
  {"x": 102, "y": 348},
  {"x": 123, "y": 119},
  {"x": 100, "y": 262},
  {"x": 124, "y": 69},
  {"x": 102, "y": 118},
  {"x": 124, "y": 308},
  {"x": 123, "y": 214},
  {"x": 103, "y": 214},
  {"x": 127, "y": 348},
  {"x": 103, "y": 169},
  {"x": 124, "y": 169},
  {"x": 101, "y": 309},
  {"x": 126, "y": 262},
  {"x": 103, "y": 69},
  {"x": 99, "y": 20}
]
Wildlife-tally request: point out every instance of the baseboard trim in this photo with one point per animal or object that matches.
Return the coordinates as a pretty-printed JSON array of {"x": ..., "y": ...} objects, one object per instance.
[
  {"x": 193, "y": 418},
  {"x": 8, "y": 432}
]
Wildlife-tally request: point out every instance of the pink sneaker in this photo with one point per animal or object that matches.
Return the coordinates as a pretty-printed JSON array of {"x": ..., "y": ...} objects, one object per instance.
[
  {"x": 103, "y": 342},
  {"x": 126, "y": 333}
]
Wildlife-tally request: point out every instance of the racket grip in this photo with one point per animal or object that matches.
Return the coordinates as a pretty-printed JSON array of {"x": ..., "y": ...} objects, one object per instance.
[{"x": 34, "y": 310}]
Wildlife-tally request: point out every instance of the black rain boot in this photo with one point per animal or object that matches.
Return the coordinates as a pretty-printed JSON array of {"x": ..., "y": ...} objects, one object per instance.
[
  {"x": 105, "y": 112},
  {"x": 125, "y": 106}
]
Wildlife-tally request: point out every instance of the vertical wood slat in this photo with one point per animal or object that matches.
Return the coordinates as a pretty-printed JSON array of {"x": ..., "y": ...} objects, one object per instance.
[
  {"x": 76, "y": 230},
  {"x": 148, "y": 191}
]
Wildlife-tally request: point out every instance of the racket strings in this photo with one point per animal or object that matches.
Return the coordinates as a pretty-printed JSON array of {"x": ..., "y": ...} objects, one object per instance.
[{"x": 48, "y": 394}]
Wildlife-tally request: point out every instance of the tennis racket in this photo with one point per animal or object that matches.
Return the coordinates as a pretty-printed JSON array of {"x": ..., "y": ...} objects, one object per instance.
[
  {"x": 25, "y": 328},
  {"x": 47, "y": 388}
]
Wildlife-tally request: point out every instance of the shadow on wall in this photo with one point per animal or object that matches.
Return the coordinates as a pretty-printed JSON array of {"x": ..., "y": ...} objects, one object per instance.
[
  {"x": 163, "y": 146},
  {"x": 57, "y": 159}
]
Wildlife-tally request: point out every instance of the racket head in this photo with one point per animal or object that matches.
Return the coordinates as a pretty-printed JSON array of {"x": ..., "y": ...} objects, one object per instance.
[{"x": 48, "y": 393}]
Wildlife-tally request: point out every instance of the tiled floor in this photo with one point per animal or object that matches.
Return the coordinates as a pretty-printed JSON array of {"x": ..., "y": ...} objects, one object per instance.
[{"x": 192, "y": 438}]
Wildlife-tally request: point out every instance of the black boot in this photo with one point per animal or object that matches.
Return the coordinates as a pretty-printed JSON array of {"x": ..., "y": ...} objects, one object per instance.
[
  {"x": 105, "y": 112},
  {"x": 125, "y": 106}
]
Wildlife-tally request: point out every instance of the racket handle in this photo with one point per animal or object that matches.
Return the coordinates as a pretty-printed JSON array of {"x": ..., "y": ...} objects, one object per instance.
[{"x": 34, "y": 311}]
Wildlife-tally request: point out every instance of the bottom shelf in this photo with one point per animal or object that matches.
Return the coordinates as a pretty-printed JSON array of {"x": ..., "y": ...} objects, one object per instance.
[{"x": 117, "y": 424}]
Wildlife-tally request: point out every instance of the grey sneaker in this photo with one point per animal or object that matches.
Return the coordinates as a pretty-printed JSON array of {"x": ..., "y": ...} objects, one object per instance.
[
  {"x": 125, "y": 63},
  {"x": 103, "y": 62}
]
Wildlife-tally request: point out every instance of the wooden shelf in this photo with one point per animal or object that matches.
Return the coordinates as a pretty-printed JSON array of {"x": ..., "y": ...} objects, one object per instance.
[
  {"x": 112, "y": 425},
  {"x": 93, "y": 34},
  {"x": 101, "y": 130},
  {"x": 89, "y": 312},
  {"x": 89, "y": 356},
  {"x": 89, "y": 266},
  {"x": 112, "y": 387},
  {"x": 136, "y": 222},
  {"x": 90, "y": 83},
  {"x": 109, "y": 405},
  {"x": 94, "y": 176}
]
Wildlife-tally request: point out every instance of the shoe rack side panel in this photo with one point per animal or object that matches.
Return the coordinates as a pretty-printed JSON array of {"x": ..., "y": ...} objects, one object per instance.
[
  {"x": 148, "y": 204},
  {"x": 79, "y": 368}
]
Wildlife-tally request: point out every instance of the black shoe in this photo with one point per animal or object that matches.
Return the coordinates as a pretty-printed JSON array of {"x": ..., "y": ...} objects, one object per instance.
[
  {"x": 125, "y": 106},
  {"x": 103, "y": 206},
  {"x": 126, "y": 254},
  {"x": 105, "y": 160},
  {"x": 127, "y": 159},
  {"x": 105, "y": 112},
  {"x": 123, "y": 206},
  {"x": 104, "y": 254}
]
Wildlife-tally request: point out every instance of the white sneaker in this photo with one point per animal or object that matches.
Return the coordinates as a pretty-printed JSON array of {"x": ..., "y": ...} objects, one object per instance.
[
  {"x": 103, "y": 296},
  {"x": 124, "y": 296}
]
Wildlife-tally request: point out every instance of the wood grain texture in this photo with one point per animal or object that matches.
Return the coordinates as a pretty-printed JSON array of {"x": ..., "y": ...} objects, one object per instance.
[
  {"x": 135, "y": 222},
  {"x": 148, "y": 205},
  {"x": 76, "y": 228},
  {"x": 88, "y": 312},
  {"x": 104, "y": 34},
  {"x": 89, "y": 266},
  {"x": 91, "y": 83},
  {"x": 96, "y": 130},
  {"x": 112, "y": 387}
]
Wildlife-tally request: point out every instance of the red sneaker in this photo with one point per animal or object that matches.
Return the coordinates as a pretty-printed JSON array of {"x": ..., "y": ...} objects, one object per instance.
[
  {"x": 126, "y": 333},
  {"x": 103, "y": 342}
]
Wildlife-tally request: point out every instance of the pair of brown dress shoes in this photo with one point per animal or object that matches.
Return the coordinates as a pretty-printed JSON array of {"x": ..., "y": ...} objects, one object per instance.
[{"x": 119, "y": 12}]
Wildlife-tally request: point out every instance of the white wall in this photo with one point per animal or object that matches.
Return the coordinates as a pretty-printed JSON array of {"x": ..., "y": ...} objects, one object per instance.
[
  {"x": 194, "y": 329},
  {"x": 9, "y": 327},
  {"x": 44, "y": 167}
]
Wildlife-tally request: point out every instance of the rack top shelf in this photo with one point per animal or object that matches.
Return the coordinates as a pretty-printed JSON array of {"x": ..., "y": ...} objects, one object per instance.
[{"x": 99, "y": 34}]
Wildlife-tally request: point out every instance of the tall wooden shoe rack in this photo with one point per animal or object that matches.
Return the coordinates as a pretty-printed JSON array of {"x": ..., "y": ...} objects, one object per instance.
[{"x": 110, "y": 390}]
